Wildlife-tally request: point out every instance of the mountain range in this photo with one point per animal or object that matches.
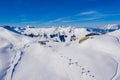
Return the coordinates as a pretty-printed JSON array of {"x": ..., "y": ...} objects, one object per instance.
[{"x": 60, "y": 53}]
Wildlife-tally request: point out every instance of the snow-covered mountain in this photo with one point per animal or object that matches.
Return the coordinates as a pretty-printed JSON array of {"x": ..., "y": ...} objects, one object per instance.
[
  {"x": 63, "y": 53},
  {"x": 111, "y": 27}
]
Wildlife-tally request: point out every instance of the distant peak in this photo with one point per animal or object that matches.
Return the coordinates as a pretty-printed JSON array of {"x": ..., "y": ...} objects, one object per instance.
[{"x": 112, "y": 26}]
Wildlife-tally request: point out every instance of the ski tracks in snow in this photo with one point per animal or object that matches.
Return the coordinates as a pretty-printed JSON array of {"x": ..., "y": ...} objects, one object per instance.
[
  {"x": 18, "y": 53},
  {"x": 117, "y": 73}
]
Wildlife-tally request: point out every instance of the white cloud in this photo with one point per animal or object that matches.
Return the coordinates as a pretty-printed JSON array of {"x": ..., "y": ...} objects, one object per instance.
[
  {"x": 88, "y": 13},
  {"x": 62, "y": 19},
  {"x": 74, "y": 18},
  {"x": 57, "y": 20},
  {"x": 92, "y": 15},
  {"x": 92, "y": 18}
]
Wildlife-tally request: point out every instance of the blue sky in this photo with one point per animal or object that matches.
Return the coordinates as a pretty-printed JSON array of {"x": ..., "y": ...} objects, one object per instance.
[{"x": 46, "y": 13}]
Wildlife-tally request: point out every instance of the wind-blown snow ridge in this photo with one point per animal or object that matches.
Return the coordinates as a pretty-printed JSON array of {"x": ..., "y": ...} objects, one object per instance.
[{"x": 58, "y": 54}]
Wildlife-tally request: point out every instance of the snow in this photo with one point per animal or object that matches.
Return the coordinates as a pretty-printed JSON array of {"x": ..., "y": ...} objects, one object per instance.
[
  {"x": 112, "y": 26},
  {"x": 23, "y": 58}
]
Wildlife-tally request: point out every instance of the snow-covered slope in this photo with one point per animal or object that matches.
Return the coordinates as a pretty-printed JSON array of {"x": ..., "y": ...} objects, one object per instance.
[
  {"x": 26, "y": 58},
  {"x": 11, "y": 45}
]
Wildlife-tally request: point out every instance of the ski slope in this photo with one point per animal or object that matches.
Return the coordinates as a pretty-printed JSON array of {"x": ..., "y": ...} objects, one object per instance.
[{"x": 24, "y": 58}]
